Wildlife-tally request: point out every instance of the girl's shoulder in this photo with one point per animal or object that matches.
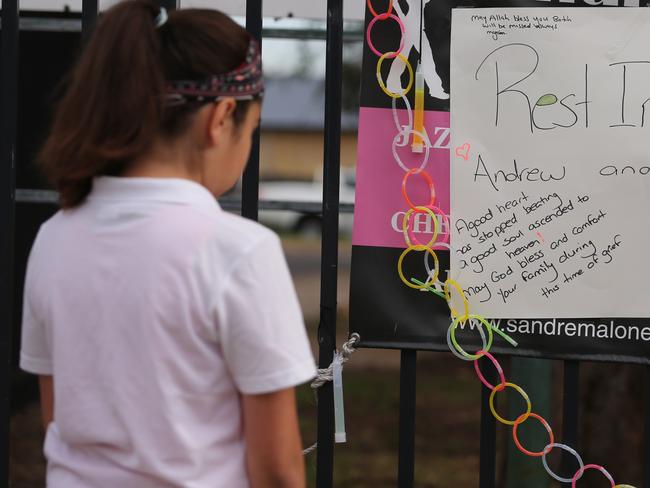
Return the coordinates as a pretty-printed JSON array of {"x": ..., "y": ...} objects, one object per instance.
[
  {"x": 235, "y": 236},
  {"x": 241, "y": 228}
]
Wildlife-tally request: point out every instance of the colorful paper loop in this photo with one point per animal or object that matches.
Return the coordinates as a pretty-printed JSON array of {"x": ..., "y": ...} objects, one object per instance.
[
  {"x": 409, "y": 114},
  {"x": 430, "y": 279},
  {"x": 566, "y": 448},
  {"x": 395, "y": 56},
  {"x": 374, "y": 13},
  {"x": 372, "y": 24},
  {"x": 486, "y": 346},
  {"x": 405, "y": 134},
  {"x": 408, "y": 231},
  {"x": 582, "y": 470},
  {"x": 546, "y": 426},
  {"x": 455, "y": 352},
  {"x": 445, "y": 221},
  {"x": 425, "y": 176},
  {"x": 463, "y": 297},
  {"x": 498, "y": 367},
  {"x": 519, "y": 390}
]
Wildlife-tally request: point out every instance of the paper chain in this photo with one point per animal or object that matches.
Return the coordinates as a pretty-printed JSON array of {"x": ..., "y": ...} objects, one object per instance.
[{"x": 433, "y": 284}]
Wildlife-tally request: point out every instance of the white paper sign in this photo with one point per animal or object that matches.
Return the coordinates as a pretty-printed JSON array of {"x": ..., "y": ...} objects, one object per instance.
[{"x": 550, "y": 195}]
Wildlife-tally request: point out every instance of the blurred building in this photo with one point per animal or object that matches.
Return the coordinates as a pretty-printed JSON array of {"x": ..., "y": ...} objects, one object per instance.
[{"x": 292, "y": 130}]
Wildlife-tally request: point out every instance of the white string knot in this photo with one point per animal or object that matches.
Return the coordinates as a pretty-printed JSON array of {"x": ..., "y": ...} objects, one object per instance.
[
  {"x": 161, "y": 18},
  {"x": 325, "y": 375}
]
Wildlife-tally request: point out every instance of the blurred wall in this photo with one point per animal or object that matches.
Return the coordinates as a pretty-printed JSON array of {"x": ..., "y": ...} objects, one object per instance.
[{"x": 298, "y": 155}]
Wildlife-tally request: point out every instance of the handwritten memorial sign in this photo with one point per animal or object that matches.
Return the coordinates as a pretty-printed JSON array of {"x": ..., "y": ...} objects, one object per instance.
[
  {"x": 550, "y": 174},
  {"x": 541, "y": 171}
]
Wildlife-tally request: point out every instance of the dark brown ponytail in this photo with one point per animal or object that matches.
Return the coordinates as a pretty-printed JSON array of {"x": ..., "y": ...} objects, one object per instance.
[{"x": 113, "y": 108}]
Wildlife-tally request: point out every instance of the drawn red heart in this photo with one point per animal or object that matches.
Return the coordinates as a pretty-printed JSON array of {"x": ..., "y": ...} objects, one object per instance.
[{"x": 463, "y": 151}]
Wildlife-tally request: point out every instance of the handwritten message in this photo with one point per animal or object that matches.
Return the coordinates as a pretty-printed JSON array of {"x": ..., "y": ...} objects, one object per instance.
[{"x": 549, "y": 208}]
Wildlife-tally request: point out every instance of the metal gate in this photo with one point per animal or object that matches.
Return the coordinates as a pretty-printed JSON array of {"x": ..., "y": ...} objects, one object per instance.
[{"x": 9, "y": 196}]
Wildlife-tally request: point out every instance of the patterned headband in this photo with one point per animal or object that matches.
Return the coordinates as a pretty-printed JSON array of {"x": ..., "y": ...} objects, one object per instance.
[{"x": 243, "y": 83}]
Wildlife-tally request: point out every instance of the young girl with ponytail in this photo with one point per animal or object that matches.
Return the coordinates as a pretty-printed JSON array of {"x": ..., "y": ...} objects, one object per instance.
[{"x": 166, "y": 332}]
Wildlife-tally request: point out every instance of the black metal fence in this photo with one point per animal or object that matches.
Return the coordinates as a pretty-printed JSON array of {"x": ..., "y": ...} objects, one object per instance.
[
  {"x": 8, "y": 124},
  {"x": 330, "y": 209}
]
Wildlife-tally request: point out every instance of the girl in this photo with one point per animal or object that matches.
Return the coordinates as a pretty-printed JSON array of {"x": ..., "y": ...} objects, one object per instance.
[{"x": 166, "y": 332}]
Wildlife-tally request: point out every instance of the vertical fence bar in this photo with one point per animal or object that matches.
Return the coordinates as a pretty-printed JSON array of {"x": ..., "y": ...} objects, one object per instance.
[
  {"x": 329, "y": 246},
  {"x": 8, "y": 131},
  {"x": 407, "y": 389},
  {"x": 169, "y": 4},
  {"x": 488, "y": 442},
  {"x": 89, "y": 9},
  {"x": 570, "y": 411},
  {"x": 646, "y": 447},
  {"x": 251, "y": 180},
  {"x": 535, "y": 376}
]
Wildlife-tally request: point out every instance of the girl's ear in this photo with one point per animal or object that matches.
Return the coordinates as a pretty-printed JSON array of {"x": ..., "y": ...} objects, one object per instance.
[{"x": 220, "y": 120}]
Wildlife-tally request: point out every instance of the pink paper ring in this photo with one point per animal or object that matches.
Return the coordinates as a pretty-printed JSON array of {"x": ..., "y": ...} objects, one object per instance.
[
  {"x": 445, "y": 219},
  {"x": 582, "y": 470},
  {"x": 369, "y": 39},
  {"x": 498, "y": 367}
]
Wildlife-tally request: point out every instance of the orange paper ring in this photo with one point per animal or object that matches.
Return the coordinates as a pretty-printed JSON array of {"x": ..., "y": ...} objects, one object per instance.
[
  {"x": 427, "y": 179},
  {"x": 522, "y": 418},
  {"x": 373, "y": 12}
]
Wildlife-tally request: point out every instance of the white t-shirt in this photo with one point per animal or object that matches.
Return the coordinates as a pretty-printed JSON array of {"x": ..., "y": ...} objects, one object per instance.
[{"x": 155, "y": 310}]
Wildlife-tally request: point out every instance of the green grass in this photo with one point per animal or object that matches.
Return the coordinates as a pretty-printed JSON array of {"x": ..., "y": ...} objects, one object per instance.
[{"x": 447, "y": 425}]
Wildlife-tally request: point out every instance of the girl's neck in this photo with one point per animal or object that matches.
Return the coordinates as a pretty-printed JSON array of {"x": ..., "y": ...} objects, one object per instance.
[
  {"x": 164, "y": 161},
  {"x": 156, "y": 169}
]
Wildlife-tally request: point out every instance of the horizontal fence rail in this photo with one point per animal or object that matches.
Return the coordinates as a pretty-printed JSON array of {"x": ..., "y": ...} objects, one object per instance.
[
  {"x": 71, "y": 24},
  {"x": 231, "y": 204}
]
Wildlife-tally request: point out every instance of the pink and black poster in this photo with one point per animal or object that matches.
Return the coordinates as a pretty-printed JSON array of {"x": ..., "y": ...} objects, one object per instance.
[{"x": 384, "y": 310}]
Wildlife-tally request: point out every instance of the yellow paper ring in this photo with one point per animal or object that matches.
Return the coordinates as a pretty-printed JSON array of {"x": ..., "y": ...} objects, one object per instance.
[
  {"x": 405, "y": 225},
  {"x": 431, "y": 279},
  {"x": 520, "y": 390},
  {"x": 382, "y": 85},
  {"x": 454, "y": 312}
]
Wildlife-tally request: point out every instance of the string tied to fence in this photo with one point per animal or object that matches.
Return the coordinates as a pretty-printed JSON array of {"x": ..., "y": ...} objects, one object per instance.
[
  {"x": 324, "y": 375},
  {"x": 334, "y": 373}
]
